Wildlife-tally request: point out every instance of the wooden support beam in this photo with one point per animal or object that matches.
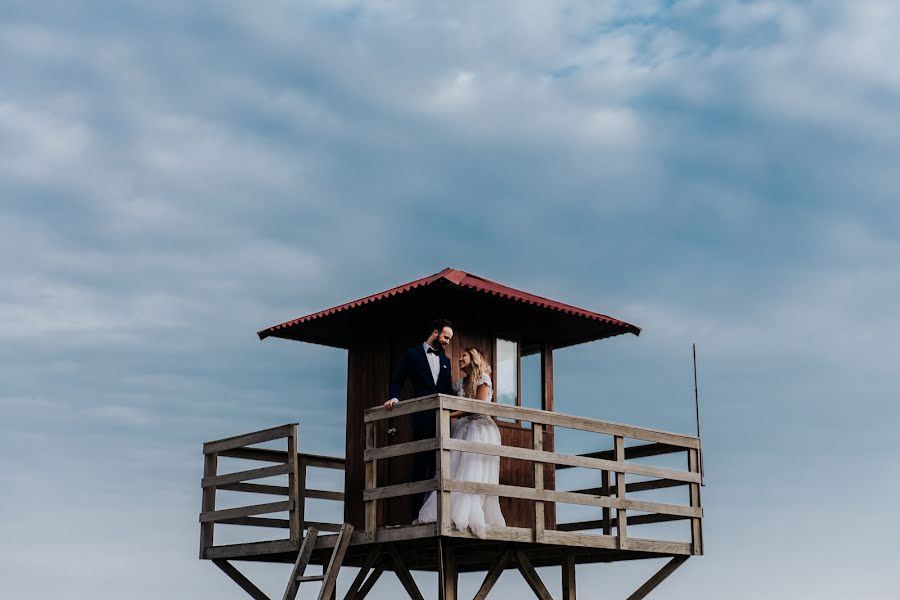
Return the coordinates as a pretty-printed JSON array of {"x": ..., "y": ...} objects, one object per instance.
[
  {"x": 568, "y": 576},
  {"x": 632, "y": 520},
  {"x": 257, "y": 522},
  {"x": 208, "y": 504},
  {"x": 534, "y": 415},
  {"x": 262, "y": 454},
  {"x": 403, "y": 574},
  {"x": 449, "y": 572},
  {"x": 400, "y": 489},
  {"x": 371, "y": 505},
  {"x": 636, "y": 486},
  {"x": 531, "y": 577},
  {"x": 514, "y": 491},
  {"x": 321, "y": 526},
  {"x": 255, "y": 488},
  {"x": 407, "y": 407},
  {"x": 696, "y": 525},
  {"x": 493, "y": 575},
  {"x": 240, "y": 579},
  {"x": 658, "y": 578},
  {"x": 558, "y": 458},
  {"x": 604, "y": 491},
  {"x": 245, "y": 511},
  {"x": 296, "y": 487},
  {"x": 366, "y": 587},
  {"x": 248, "y": 439},
  {"x": 403, "y": 449},
  {"x": 538, "y": 445},
  {"x": 639, "y": 451},
  {"x": 246, "y": 475},
  {"x": 250, "y": 549},
  {"x": 443, "y": 472},
  {"x": 367, "y": 565},
  {"x": 325, "y": 462},
  {"x": 621, "y": 519}
]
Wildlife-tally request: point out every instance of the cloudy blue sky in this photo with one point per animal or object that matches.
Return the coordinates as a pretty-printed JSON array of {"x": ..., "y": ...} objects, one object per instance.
[{"x": 177, "y": 175}]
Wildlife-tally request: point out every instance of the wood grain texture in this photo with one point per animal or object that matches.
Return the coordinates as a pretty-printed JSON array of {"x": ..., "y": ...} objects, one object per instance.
[
  {"x": 245, "y": 511},
  {"x": 247, "y": 439},
  {"x": 240, "y": 476},
  {"x": 568, "y": 421}
]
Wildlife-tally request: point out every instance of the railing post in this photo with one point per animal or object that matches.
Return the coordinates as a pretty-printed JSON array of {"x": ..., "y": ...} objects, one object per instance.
[
  {"x": 210, "y": 462},
  {"x": 371, "y": 483},
  {"x": 296, "y": 512},
  {"x": 302, "y": 466},
  {"x": 442, "y": 471},
  {"x": 604, "y": 491},
  {"x": 696, "y": 526},
  {"x": 538, "y": 444},
  {"x": 621, "y": 519}
]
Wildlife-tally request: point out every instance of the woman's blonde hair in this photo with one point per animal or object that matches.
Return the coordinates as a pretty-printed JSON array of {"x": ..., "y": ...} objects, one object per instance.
[{"x": 479, "y": 366}]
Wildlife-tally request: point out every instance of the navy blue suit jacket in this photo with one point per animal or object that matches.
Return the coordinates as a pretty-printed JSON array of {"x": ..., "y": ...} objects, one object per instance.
[{"x": 414, "y": 366}]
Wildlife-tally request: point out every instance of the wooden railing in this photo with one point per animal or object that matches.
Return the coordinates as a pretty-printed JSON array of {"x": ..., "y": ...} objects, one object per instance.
[
  {"x": 294, "y": 494},
  {"x": 612, "y": 495}
]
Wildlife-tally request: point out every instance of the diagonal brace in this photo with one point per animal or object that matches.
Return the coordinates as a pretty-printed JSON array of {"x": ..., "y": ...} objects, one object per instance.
[
  {"x": 658, "y": 578},
  {"x": 240, "y": 579}
]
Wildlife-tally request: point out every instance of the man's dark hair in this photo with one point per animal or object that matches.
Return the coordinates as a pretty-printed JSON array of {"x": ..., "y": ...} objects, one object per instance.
[{"x": 439, "y": 324}]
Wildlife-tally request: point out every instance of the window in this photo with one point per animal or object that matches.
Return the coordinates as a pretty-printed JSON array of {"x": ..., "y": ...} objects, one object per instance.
[
  {"x": 507, "y": 372},
  {"x": 519, "y": 378}
]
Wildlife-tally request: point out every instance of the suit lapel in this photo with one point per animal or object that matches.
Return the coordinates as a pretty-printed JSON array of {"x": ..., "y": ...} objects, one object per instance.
[{"x": 426, "y": 368}]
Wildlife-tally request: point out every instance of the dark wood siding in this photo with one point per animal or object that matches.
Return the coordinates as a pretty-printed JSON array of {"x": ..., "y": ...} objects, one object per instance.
[{"x": 368, "y": 378}]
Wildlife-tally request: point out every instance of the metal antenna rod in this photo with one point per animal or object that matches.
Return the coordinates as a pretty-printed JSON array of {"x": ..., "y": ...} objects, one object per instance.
[{"x": 697, "y": 406}]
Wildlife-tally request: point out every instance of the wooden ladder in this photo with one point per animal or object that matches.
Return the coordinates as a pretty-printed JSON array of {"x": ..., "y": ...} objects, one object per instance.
[{"x": 329, "y": 577}]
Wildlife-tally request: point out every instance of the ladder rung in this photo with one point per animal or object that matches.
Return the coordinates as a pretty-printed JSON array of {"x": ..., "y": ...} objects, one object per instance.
[{"x": 301, "y": 579}]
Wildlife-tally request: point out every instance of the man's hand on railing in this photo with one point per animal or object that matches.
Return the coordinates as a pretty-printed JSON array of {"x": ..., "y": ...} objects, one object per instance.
[{"x": 390, "y": 403}]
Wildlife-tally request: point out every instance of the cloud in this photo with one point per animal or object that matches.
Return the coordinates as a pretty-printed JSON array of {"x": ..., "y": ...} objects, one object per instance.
[{"x": 176, "y": 177}]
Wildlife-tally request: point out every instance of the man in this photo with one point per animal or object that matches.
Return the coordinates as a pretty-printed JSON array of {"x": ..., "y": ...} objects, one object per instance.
[{"x": 427, "y": 367}]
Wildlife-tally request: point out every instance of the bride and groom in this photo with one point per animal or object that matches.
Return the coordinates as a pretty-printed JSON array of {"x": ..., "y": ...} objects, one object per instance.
[{"x": 427, "y": 368}]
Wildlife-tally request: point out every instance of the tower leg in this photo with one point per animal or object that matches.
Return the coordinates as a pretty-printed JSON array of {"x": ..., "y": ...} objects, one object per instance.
[
  {"x": 568, "y": 576},
  {"x": 448, "y": 573}
]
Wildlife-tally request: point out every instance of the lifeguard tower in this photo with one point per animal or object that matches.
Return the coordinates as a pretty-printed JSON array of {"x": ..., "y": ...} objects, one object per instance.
[{"x": 518, "y": 333}]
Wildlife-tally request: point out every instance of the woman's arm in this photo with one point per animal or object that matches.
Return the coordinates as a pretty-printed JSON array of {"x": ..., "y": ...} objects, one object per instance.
[{"x": 482, "y": 393}]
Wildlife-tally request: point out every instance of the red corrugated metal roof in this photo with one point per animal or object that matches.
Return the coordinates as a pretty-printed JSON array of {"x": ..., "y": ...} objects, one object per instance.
[{"x": 462, "y": 279}]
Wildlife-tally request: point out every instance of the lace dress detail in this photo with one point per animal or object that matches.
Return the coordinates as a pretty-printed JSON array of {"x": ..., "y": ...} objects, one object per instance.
[{"x": 472, "y": 511}]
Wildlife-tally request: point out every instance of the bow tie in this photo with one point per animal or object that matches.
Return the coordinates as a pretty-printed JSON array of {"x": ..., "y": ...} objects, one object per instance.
[{"x": 433, "y": 351}]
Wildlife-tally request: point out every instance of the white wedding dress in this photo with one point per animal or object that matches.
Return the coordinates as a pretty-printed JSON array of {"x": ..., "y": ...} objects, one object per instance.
[{"x": 473, "y": 511}]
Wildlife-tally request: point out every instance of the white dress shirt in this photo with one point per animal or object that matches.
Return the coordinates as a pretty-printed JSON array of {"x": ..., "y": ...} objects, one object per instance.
[{"x": 434, "y": 361}]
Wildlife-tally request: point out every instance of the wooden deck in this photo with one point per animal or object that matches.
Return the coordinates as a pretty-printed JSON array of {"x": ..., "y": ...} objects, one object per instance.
[{"x": 606, "y": 538}]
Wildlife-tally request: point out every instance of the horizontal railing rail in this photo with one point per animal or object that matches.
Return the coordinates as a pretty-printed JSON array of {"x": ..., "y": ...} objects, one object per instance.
[
  {"x": 288, "y": 462},
  {"x": 610, "y": 496},
  {"x": 238, "y": 447},
  {"x": 532, "y": 415}
]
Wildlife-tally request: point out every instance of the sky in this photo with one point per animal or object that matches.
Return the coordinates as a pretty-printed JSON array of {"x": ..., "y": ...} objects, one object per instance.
[{"x": 175, "y": 176}]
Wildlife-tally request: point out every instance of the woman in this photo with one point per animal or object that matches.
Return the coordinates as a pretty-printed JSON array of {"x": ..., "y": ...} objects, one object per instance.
[{"x": 473, "y": 511}]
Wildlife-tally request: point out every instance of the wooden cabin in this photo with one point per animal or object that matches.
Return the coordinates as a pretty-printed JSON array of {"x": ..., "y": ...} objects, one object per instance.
[{"x": 517, "y": 332}]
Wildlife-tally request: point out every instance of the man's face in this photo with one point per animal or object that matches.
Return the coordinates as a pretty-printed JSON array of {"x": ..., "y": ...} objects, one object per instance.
[{"x": 443, "y": 336}]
